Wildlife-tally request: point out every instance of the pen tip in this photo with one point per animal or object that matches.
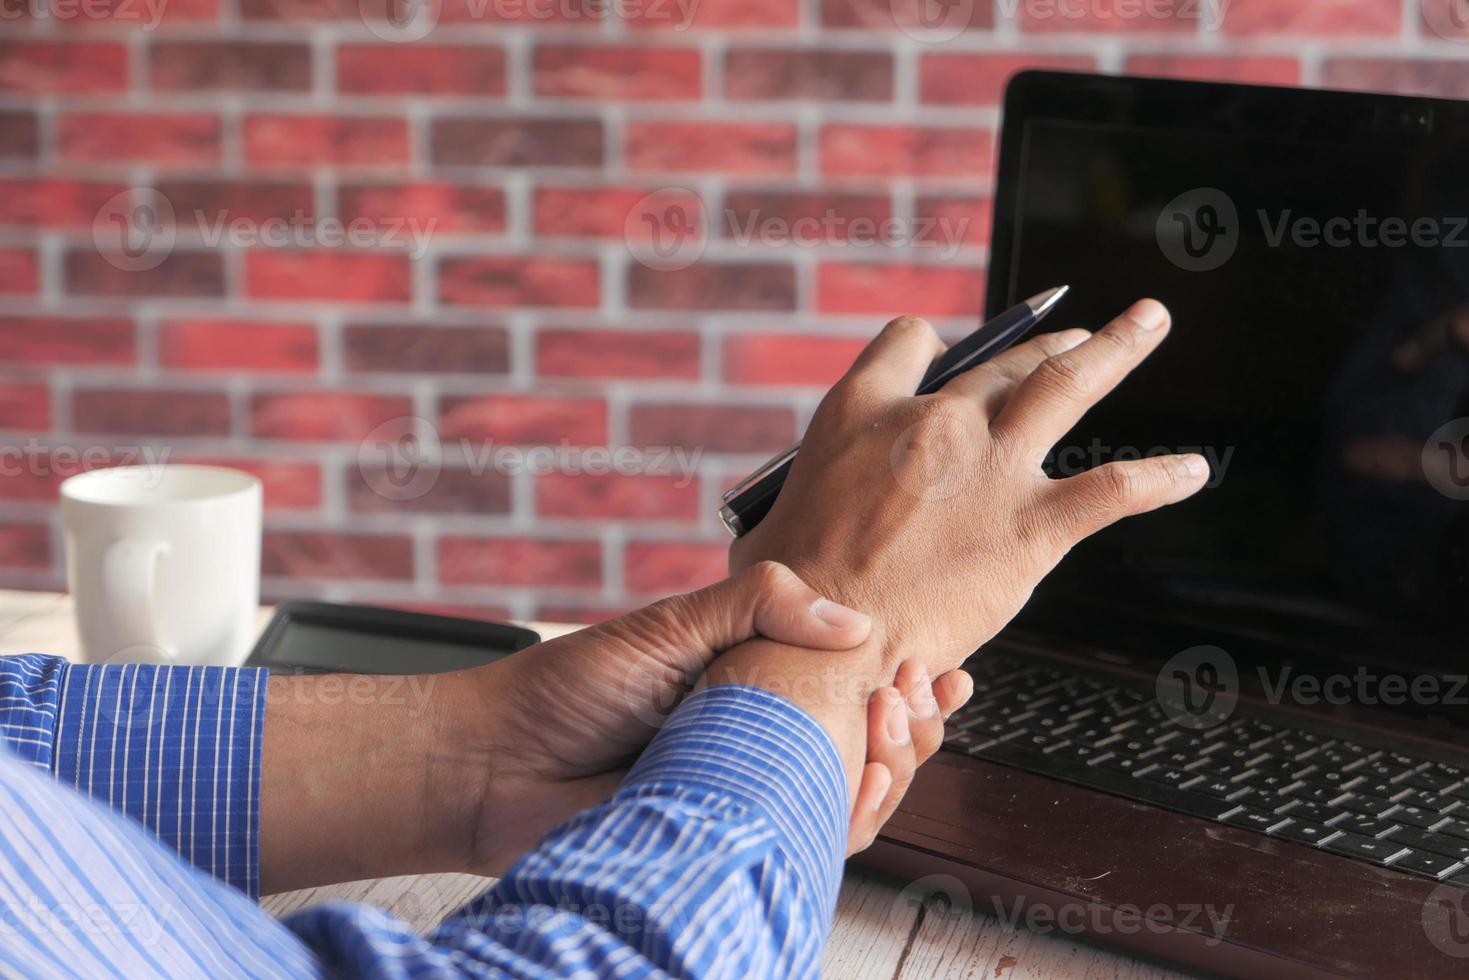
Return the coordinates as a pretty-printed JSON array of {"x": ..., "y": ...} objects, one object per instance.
[{"x": 1040, "y": 304}]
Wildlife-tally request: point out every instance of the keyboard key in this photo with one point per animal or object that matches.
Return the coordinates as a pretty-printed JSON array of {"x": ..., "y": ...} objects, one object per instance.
[
  {"x": 1306, "y": 833},
  {"x": 1413, "y": 816},
  {"x": 1424, "y": 841},
  {"x": 1169, "y": 777},
  {"x": 1369, "y": 805},
  {"x": 1426, "y": 801},
  {"x": 1365, "y": 848},
  {"x": 1366, "y": 826},
  {"x": 1425, "y": 863},
  {"x": 1455, "y": 828},
  {"x": 1430, "y": 781},
  {"x": 1252, "y": 819},
  {"x": 1312, "y": 813}
]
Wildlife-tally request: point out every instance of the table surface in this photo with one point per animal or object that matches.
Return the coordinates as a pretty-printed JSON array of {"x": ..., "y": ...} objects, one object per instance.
[{"x": 878, "y": 931}]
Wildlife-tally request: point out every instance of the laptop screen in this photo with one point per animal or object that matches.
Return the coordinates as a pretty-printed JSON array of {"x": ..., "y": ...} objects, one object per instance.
[{"x": 1319, "y": 358}]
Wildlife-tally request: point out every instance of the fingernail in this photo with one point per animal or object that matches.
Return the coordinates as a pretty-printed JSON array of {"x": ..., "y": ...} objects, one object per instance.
[
  {"x": 836, "y": 615},
  {"x": 1193, "y": 465},
  {"x": 897, "y": 720},
  {"x": 921, "y": 700},
  {"x": 1149, "y": 314}
]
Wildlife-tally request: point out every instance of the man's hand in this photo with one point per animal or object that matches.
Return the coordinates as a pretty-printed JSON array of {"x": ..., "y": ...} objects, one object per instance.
[
  {"x": 367, "y": 776},
  {"x": 933, "y": 514}
]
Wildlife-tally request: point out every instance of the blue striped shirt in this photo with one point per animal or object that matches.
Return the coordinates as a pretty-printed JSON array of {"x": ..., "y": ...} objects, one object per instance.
[{"x": 720, "y": 855}]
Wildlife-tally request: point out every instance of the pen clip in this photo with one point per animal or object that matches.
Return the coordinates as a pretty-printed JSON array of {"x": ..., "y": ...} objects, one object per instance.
[{"x": 773, "y": 463}]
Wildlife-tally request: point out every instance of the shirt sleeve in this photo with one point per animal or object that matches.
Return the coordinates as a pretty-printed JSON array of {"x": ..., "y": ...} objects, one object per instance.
[
  {"x": 720, "y": 856},
  {"x": 175, "y": 747}
]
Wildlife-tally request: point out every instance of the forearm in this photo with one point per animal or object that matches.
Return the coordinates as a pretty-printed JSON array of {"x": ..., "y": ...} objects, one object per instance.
[{"x": 356, "y": 779}]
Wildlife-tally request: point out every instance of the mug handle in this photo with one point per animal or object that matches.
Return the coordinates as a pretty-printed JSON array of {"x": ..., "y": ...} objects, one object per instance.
[{"x": 129, "y": 571}]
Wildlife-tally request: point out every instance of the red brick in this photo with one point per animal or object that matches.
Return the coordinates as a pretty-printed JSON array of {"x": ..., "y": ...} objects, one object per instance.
[
  {"x": 53, "y": 203},
  {"x": 19, "y": 273},
  {"x": 280, "y": 140},
  {"x": 225, "y": 201},
  {"x": 181, "y": 274},
  {"x": 744, "y": 286},
  {"x": 617, "y": 496},
  {"x": 25, "y": 406},
  {"x": 18, "y": 137},
  {"x": 714, "y": 14},
  {"x": 1444, "y": 79},
  {"x": 609, "y": 73},
  {"x": 63, "y": 67},
  {"x": 518, "y": 281},
  {"x": 732, "y": 148},
  {"x": 804, "y": 73},
  {"x": 828, "y": 218},
  {"x": 138, "y": 137},
  {"x": 288, "y": 485},
  {"x": 965, "y": 217},
  {"x": 67, "y": 340},
  {"x": 978, "y": 78},
  {"x": 887, "y": 291},
  {"x": 1117, "y": 17},
  {"x": 614, "y": 354},
  {"x": 910, "y": 15},
  {"x": 519, "y": 561},
  {"x": 789, "y": 359},
  {"x": 306, "y": 11},
  {"x": 353, "y": 277},
  {"x": 238, "y": 345},
  {"x": 430, "y": 208},
  {"x": 153, "y": 412},
  {"x": 323, "y": 416},
  {"x": 420, "y": 69},
  {"x": 525, "y": 419},
  {"x": 117, "y": 16},
  {"x": 897, "y": 151},
  {"x": 1258, "y": 70},
  {"x": 713, "y": 428},
  {"x": 658, "y": 568},
  {"x": 455, "y": 491},
  {"x": 588, "y": 212},
  {"x": 1314, "y": 18},
  {"x": 25, "y": 546},
  {"x": 471, "y": 142},
  {"x": 422, "y": 348},
  {"x": 332, "y": 556},
  {"x": 229, "y": 66}
]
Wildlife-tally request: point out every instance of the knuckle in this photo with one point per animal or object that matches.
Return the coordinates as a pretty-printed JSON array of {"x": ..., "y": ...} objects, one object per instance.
[
  {"x": 1064, "y": 374},
  {"x": 912, "y": 326},
  {"x": 1120, "y": 483},
  {"x": 770, "y": 577}
]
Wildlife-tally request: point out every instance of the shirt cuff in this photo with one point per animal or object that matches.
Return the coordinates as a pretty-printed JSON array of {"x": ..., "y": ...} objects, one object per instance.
[
  {"x": 755, "y": 747},
  {"x": 176, "y": 748}
]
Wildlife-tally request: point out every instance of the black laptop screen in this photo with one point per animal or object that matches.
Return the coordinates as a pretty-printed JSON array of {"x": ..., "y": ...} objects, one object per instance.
[{"x": 1314, "y": 355}]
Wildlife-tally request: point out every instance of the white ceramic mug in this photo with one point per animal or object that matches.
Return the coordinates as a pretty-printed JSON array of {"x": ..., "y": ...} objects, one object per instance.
[{"x": 163, "y": 563}]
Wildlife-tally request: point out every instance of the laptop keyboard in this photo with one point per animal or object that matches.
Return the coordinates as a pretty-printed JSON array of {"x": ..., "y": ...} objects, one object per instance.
[{"x": 1372, "y": 804}]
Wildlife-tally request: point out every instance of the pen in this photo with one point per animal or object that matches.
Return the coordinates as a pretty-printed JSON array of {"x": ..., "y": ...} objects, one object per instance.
[{"x": 747, "y": 503}]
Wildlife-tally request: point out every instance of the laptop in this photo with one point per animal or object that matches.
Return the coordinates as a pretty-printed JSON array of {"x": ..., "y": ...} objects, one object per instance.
[{"x": 1234, "y": 734}]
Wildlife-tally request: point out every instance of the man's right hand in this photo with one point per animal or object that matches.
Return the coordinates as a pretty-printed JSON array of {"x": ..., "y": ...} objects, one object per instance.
[{"x": 932, "y": 513}]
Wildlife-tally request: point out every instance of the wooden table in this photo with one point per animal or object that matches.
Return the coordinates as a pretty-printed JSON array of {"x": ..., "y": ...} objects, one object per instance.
[{"x": 877, "y": 933}]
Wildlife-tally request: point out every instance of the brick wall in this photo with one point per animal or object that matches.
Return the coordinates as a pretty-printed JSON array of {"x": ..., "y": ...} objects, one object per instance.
[{"x": 523, "y": 139}]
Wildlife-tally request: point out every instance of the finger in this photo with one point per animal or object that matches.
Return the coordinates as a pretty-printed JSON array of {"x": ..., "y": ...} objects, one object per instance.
[
  {"x": 867, "y": 818},
  {"x": 952, "y": 691},
  {"x": 992, "y": 382},
  {"x": 894, "y": 363},
  {"x": 890, "y": 743},
  {"x": 1059, "y": 391},
  {"x": 1098, "y": 497},
  {"x": 925, "y": 720}
]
